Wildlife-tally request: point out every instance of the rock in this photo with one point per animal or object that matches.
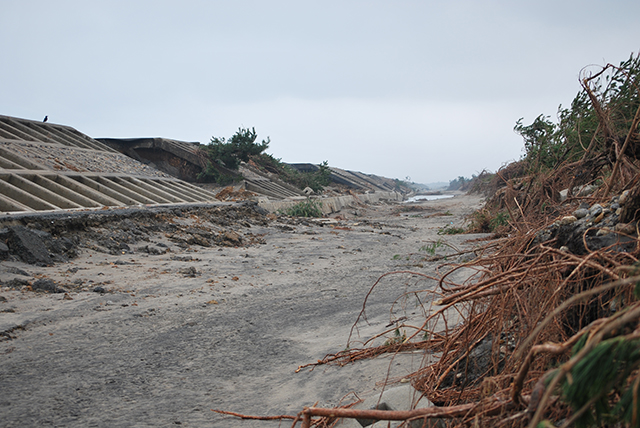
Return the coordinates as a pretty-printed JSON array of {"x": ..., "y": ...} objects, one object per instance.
[
  {"x": 624, "y": 197},
  {"x": 17, "y": 271},
  {"x": 599, "y": 217},
  {"x": 568, "y": 219},
  {"x": 579, "y": 191},
  {"x": 232, "y": 237},
  {"x": 625, "y": 228},
  {"x": 99, "y": 289},
  {"x": 16, "y": 283},
  {"x": 564, "y": 193},
  {"x": 46, "y": 285},
  {"x": 26, "y": 244},
  {"x": 630, "y": 201},
  {"x": 4, "y": 251},
  {"x": 585, "y": 190},
  {"x": 35, "y": 246},
  {"x": 190, "y": 272},
  {"x": 595, "y": 210},
  {"x": 398, "y": 398},
  {"x": 581, "y": 213}
]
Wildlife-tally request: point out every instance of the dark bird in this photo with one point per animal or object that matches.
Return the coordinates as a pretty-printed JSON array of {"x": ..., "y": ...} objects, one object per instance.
[{"x": 45, "y": 119}]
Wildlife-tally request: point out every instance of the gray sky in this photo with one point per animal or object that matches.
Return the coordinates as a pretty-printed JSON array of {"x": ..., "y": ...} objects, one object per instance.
[{"x": 425, "y": 89}]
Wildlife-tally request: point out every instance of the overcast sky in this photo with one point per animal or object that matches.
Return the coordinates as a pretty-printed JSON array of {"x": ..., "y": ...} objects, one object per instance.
[{"x": 425, "y": 89}]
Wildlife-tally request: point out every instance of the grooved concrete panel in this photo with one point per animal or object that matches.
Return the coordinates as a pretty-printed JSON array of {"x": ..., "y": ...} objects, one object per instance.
[{"x": 49, "y": 167}]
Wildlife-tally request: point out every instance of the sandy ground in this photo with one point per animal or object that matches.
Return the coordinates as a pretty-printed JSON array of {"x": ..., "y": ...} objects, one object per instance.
[{"x": 196, "y": 328}]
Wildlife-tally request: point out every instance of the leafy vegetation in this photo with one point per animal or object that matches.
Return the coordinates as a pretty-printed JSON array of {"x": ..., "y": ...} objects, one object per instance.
[
  {"x": 399, "y": 337},
  {"x": 598, "y": 119},
  {"x": 223, "y": 157},
  {"x": 451, "y": 230},
  {"x": 307, "y": 208},
  {"x": 488, "y": 221},
  {"x": 431, "y": 248}
]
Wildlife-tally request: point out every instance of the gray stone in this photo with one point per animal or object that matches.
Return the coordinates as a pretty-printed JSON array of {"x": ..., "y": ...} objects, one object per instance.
[
  {"x": 581, "y": 213},
  {"x": 578, "y": 191},
  {"x": 563, "y": 195},
  {"x": 17, "y": 271},
  {"x": 27, "y": 245},
  {"x": 595, "y": 210},
  {"x": 4, "y": 250},
  {"x": 46, "y": 285},
  {"x": 585, "y": 190},
  {"x": 398, "y": 398},
  {"x": 624, "y": 197},
  {"x": 567, "y": 219}
]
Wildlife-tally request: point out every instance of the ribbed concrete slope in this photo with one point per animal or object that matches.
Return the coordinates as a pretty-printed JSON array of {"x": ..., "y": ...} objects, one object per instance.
[
  {"x": 181, "y": 159},
  {"x": 48, "y": 167}
]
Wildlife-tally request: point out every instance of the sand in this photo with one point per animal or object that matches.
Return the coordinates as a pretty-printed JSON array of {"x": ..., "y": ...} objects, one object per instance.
[{"x": 177, "y": 334}]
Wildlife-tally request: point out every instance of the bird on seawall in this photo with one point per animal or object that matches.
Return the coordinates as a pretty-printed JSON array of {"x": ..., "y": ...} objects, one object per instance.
[{"x": 45, "y": 119}]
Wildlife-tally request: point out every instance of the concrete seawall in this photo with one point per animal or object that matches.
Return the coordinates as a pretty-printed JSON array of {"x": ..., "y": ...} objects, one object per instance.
[{"x": 332, "y": 204}]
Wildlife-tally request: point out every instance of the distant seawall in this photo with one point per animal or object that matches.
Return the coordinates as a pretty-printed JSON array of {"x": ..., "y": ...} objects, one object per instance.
[{"x": 335, "y": 203}]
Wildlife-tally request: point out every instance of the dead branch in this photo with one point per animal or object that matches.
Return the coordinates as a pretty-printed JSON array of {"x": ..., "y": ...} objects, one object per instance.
[
  {"x": 490, "y": 407},
  {"x": 257, "y": 418}
]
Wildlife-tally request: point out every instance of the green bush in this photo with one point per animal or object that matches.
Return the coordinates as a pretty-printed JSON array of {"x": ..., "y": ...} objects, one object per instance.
[
  {"x": 212, "y": 175},
  {"x": 577, "y": 133},
  {"x": 225, "y": 155},
  {"x": 451, "y": 230},
  {"x": 308, "y": 208},
  {"x": 229, "y": 153},
  {"x": 487, "y": 221},
  {"x": 238, "y": 148}
]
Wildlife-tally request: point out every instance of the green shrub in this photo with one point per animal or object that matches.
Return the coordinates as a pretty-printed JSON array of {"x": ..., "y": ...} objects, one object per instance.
[
  {"x": 210, "y": 174},
  {"x": 308, "y": 208},
  {"x": 229, "y": 153},
  {"x": 486, "y": 221},
  {"x": 578, "y": 131},
  {"x": 451, "y": 230}
]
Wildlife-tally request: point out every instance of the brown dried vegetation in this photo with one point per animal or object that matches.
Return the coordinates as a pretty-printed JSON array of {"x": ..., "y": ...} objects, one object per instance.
[{"x": 547, "y": 330}]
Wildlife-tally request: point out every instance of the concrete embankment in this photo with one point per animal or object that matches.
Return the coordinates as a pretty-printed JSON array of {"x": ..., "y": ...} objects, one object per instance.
[{"x": 334, "y": 203}]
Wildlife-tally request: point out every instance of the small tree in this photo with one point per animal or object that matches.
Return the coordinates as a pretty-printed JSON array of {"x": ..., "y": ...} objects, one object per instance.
[
  {"x": 458, "y": 183},
  {"x": 229, "y": 153}
]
